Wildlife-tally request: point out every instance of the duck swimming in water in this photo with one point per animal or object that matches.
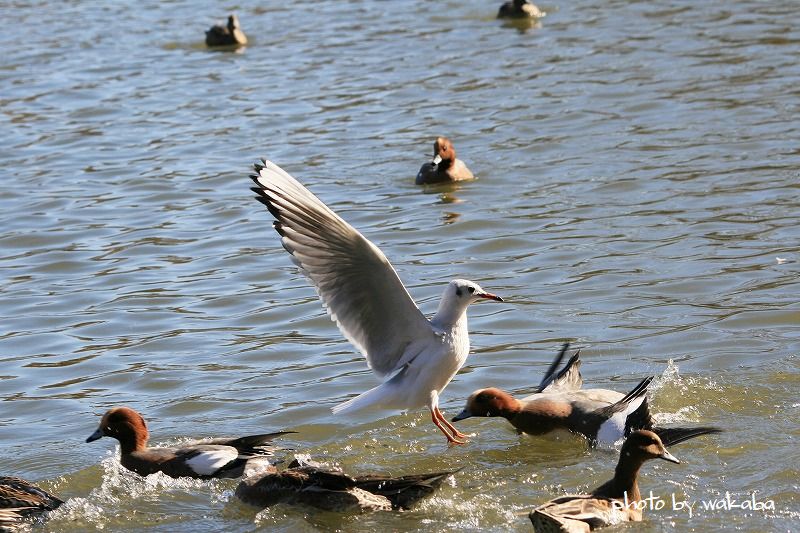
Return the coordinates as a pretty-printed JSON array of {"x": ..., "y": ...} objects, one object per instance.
[
  {"x": 605, "y": 505},
  {"x": 603, "y": 416},
  {"x": 210, "y": 458},
  {"x": 444, "y": 166},
  {"x": 328, "y": 488},
  {"x": 229, "y": 35},
  {"x": 519, "y": 9}
]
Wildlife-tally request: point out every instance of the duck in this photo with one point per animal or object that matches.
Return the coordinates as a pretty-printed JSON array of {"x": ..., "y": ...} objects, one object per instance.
[
  {"x": 361, "y": 291},
  {"x": 229, "y": 35},
  {"x": 519, "y": 9},
  {"x": 20, "y": 499},
  {"x": 328, "y": 488},
  {"x": 602, "y": 416},
  {"x": 206, "y": 459},
  {"x": 606, "y": 505},
  {"x": 444, "y": 166}
]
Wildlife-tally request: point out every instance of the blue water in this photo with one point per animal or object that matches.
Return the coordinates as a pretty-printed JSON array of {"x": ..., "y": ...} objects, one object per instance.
[{"x": 637, "y": 195}]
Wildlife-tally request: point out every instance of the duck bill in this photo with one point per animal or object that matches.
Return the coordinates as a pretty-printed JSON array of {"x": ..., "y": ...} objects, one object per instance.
[
  {"x": 437, "y": 159},
  {"x": 669, "y": 457},
  {"x": 461, "y": 416},
  {"x": 490, "y": 296},
  {"x": 96, "y": 435}
]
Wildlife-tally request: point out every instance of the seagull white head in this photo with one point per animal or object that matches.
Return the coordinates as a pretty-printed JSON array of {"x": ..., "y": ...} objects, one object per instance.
[{"x": 457, "y": 296}]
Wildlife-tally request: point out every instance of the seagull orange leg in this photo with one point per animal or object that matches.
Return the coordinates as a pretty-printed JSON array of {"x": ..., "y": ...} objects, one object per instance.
[
  {"x": 450, "y": 438},
  {"x": 456, "y": 433}
]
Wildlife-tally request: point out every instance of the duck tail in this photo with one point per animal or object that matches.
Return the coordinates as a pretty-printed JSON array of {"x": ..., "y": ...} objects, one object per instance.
[
  {"x": 672, "y": 436},
  {"x": 404, "y": 491},
  {"x": 260, "y": 443},
  {"x": 640, "y": 418},
  {"x": 569, "y": 377},
  {"x": 638, "y": 391}
]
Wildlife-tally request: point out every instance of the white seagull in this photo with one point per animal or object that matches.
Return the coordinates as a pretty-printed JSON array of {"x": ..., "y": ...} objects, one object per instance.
[{"x": 361, "y": 291}]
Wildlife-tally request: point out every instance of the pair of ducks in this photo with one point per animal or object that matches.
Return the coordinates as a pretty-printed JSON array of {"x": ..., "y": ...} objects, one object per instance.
[
  {"x": 232, "y": 35},
  {"x": 303, "y": 481},
  {"x": 600, "y": 415}
]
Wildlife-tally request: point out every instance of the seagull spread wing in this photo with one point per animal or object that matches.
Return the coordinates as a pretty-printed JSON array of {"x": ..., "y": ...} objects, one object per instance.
[{"x": 353, "y": 278}]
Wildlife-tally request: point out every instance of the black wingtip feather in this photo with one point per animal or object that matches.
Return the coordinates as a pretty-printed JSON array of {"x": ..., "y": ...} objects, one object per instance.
[
  {"x": 551, "y": 370},
  {"x": 673, "y": 436},
  {"x": 637, "y": 391},
  {"x": 272, "y": 209},
  {"x": 639, "y": 419},
  {"x": 270, "y": 206}
]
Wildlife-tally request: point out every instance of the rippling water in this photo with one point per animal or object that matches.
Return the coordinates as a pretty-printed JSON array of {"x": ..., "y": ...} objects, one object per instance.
[{"x": 638, "y": 181}]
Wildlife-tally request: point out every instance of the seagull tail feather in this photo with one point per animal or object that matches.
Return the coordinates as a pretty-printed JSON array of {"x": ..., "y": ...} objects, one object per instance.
[{"x": 372, "y": 397}]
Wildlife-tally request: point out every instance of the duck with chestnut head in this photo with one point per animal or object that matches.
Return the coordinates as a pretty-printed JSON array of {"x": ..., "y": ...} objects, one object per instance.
[
  {"x": 603, "y": 416},
  {"x": 209, "y": 458},
  {"x": 444, "y": 166}
]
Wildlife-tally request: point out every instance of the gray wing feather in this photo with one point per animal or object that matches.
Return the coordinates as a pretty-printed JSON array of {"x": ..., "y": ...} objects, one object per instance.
[{"x": 354, "y": 280}]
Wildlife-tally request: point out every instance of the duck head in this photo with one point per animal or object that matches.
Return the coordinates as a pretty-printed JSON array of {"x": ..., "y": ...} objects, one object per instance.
[
  {"x": 125, "y": 425},
  {"x": 487, "y": 402},
  {"x": 644, "y": 445},
  {"x": 443, "y": 150}
]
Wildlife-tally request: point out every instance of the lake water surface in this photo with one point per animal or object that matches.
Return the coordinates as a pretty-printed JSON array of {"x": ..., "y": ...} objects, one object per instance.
[{"x": 638, "y": 172}]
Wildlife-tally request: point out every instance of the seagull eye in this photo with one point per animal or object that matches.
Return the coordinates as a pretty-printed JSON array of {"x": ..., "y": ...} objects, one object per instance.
[{"x": 471, "y": 289}]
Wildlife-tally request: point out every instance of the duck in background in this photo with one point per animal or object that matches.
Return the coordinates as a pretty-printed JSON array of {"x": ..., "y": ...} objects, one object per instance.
[
  {"x": 310, "y": 483},
  {"x": 519, "y": 9},
  {"x": 20, "y": 499},
  {"x": 444, "y": 166},
  {"x": 605, "y": 505},
  {"x": 602, "y": 416},
  {"x": 229, "y": 35},
  {"x": 210, "y": 458}
]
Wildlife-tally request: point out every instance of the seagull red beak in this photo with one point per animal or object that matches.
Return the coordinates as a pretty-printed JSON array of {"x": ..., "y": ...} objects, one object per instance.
[{"x": 490, "y": 296}]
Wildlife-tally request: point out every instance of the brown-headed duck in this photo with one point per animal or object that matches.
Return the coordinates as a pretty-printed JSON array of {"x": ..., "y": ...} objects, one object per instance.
[
  {"x": 20, "y": 499},
  {"x": 605, "y": 505},
  {"x": 330, "y": 489},
  {"x": 230, "y": 35},
  {"x": 210, "y": 458},
  {"x": 519, "y": 9},
  {"x": 603, "y": 416},
  {"x": 444, "y": 166}
]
